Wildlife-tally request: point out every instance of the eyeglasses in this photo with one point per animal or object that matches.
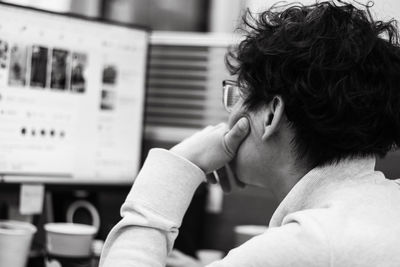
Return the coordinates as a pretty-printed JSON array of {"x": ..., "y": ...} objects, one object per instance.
[{"x": 230, "y": 94}]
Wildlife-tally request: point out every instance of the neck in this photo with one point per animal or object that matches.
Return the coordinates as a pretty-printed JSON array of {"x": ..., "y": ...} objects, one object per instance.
[{"x": 286, "y": 177}]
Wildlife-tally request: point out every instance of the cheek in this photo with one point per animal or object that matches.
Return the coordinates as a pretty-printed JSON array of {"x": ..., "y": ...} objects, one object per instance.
[{"x": 245, "y": 162}]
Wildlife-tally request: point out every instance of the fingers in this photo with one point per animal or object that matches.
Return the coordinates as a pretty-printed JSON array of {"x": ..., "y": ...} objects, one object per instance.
[
  {"x": 235, "y": 136},
  {"x": 212, "y": 178},
  {"x": 179, "y": 259},
  {"x": 176, "y": 254},
  {"x": 224, "y": 180},
  {"x": 174, "y": 259},
  {"x": 232, "y": 176},
  {"x": 228, "y": 179}
]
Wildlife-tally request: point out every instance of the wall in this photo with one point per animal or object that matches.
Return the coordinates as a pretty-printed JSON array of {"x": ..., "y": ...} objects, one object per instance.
[
  {"x": 386, "y": 9},
  {"x": 172, "y": 15}
]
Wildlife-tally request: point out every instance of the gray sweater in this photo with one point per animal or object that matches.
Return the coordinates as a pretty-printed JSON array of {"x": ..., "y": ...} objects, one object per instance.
[{"x": 340, "y": 215}]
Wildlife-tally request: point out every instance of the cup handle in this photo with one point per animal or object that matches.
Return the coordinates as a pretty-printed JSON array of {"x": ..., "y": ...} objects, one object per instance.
[{"x": 84, "y": 205}]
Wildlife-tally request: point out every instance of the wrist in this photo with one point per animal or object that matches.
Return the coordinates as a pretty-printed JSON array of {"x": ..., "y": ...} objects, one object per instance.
[{"x": 186, "y": 156}]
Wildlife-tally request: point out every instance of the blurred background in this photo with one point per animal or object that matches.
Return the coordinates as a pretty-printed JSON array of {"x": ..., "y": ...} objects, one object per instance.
[
  {"x": 185, "y": 67},
  {"x": 177, "y": 15}
]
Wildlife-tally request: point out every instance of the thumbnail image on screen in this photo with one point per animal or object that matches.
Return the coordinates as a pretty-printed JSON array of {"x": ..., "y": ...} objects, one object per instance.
[
  {"x": 18, "y": 63},
  {"x": 78, "y": 79},
  {"x": 3, "y": 54},
  {"x": 108, "y": 92},
  {"x": 60, "y": 69},
  {"x": 39, "y": 66},
  {"x": 3, "y": 59}
]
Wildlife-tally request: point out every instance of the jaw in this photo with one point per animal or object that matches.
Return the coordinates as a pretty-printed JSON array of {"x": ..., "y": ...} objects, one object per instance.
[
  {"x": 266, "y": 166},
  {"x": 251, "y": 169}
]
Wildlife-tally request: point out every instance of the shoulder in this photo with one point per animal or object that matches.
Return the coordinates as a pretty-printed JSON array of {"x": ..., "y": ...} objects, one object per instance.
[
  {"x": 292, "y": 244},
  {"x": 358, "y": 223}
]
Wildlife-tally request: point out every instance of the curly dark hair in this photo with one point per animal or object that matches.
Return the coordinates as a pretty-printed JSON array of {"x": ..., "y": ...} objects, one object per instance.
[{"x": 337, "y": 70}]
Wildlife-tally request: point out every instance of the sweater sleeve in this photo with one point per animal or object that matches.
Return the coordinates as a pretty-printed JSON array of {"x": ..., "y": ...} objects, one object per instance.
[{"x": 153, "y": 211}]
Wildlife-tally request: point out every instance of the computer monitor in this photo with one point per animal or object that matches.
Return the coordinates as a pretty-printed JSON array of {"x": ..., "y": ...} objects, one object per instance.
[{"x": 71, "y": 98}]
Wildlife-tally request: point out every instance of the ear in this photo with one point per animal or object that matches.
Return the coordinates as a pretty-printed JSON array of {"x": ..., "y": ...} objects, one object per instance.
[{"x": 273, "y": 115}]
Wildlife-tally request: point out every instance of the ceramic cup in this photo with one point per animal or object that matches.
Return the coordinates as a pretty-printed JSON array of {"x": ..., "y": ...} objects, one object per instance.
[
  {"x": 245, "y": 232},
  {"x": 15, "y": 242}
]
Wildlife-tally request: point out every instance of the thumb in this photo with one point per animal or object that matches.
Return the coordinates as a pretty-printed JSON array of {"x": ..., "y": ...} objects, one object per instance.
[{"x": 235, "y": 136}]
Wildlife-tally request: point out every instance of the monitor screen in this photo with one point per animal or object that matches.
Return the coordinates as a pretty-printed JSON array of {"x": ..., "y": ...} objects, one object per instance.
[{"x": 71, "y": 97}]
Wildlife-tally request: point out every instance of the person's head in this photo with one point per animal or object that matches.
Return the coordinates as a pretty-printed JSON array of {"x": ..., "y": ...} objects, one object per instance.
[{"x": 320, "y": 83}]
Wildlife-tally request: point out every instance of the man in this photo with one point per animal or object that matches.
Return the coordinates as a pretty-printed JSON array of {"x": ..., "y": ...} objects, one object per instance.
[{"x": 319, "y": 101}]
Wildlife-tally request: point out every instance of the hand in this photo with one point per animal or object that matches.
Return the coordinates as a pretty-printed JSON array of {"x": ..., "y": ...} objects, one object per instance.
[
  {"x": 226, "y": 178},
  {"x": 178, "y": 259},
  {"x": 214, "y": 146}
]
